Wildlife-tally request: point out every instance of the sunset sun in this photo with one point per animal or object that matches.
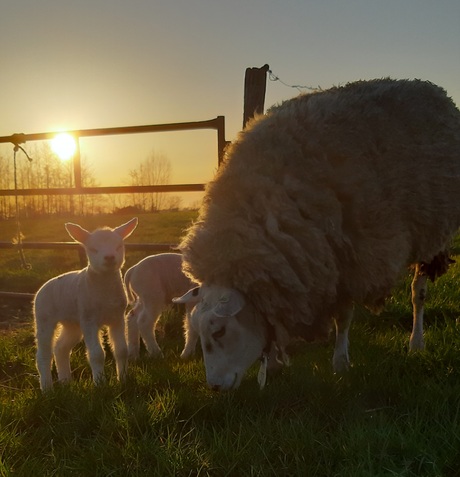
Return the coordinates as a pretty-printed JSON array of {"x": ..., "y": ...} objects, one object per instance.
[{"x": 64, "y": 145}]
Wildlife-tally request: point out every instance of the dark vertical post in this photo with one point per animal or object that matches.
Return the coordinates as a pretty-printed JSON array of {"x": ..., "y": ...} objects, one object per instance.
[
  {"x": 255, "y": 85},
  {"x": 221, "y": 142},
  {"x": 77, "y": 165}
]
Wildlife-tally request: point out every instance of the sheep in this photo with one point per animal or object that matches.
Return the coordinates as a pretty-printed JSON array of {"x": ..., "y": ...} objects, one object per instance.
[
  {"x": 82, "y": 302},
  {"x": 322, "y": 204},
  {"x": 151, "y": 284}
]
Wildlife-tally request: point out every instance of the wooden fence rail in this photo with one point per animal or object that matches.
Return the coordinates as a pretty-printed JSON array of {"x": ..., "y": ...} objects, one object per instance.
[
  {"x": 217, "y": 124},
  {"x": 151, "y": 248},
  {"x": 146, "y": 247}
]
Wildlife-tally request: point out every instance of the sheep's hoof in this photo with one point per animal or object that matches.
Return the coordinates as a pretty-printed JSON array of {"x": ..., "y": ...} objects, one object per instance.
[
  {"x": 415, "y": 346},
  {"x": 416, "y": 342},
  {"x": 340, "y": 364}
]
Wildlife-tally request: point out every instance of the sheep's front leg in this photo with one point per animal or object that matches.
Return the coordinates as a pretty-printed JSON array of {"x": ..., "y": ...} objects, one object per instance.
[
  {"x": 96, "y": 355},
  {"x": 340, "y": 360},
  {"x": 191, "y": 336},
  {"x": 70, "y": 335},
  {"x": 133, "y": 335},
  {"x": 119, "y": 348},
  {"x": 418, "y": 288}
]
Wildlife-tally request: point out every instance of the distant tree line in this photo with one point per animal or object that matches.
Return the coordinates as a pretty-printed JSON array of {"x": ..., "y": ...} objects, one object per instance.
[{"x": 47, "y": 171}]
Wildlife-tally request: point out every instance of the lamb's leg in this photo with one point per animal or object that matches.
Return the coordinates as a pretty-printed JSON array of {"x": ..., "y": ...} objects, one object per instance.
[
  {"x": 96, "y": 355},
  {"x": 146, "y": 321},
  {"x": 133, "y": 335},
  {"x": 418, "y": 287},
  {"x": 119, "y": 348},
  {"x": 44, "y": 335},
  {"x": 190, "y": 334},
  {"x": 340, "y": 360},
  {"x": 69, "y": 336}
]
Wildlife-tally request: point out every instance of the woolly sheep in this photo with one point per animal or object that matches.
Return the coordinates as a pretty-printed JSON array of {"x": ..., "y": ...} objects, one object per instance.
[
  {"x": 320, "y": 205},
  {"x": 82, "y": 302},
  {"x": 151, "y": 284}
]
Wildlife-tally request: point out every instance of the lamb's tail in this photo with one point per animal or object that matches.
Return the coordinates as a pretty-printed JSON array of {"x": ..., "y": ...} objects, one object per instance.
[{"x": 129, "y": 290}]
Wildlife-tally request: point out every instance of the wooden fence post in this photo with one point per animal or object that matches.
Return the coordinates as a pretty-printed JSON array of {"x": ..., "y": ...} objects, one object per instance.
[{"x": 255, "y": 85}]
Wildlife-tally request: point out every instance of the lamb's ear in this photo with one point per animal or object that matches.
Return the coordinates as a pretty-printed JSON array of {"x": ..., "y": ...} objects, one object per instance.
[
  {"x": 79, "y": 234},
  {"x": 230, "y": 303},
  {"x": 125, "y": 230},
  {"x": 191, "y": 296}
]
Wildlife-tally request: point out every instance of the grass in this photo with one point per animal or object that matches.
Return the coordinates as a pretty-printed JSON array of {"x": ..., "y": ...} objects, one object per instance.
[{"x": 392, "y": 414}]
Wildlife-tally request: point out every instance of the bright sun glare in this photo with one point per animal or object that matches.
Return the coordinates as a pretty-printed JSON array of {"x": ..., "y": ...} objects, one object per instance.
[{"x": 64, "y": 146}]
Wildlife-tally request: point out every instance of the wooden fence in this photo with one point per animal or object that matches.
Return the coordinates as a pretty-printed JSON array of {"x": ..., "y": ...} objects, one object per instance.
[
  {"x": 254, "y": 98},
  {"x": 217, "y": 123}
]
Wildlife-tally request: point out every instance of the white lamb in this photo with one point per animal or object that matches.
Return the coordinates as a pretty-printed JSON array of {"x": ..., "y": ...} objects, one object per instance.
[
  {"x": 82, "y": 302},
  {"x": 151, "y": 284},
  {"x": 322, "y": 204}
]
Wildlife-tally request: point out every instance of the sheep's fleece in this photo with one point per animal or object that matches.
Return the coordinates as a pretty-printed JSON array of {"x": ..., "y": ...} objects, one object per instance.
[{"x": 326, "y": 199}]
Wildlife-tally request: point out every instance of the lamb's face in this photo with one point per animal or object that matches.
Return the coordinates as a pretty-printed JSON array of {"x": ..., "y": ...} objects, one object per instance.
[
  {"x": 231, "y": 338},
  {"x": 105, "y": 250},
  {"x": 104, "y": 247}
]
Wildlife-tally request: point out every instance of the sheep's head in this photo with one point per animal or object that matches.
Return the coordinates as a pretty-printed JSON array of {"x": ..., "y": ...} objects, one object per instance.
[
  {"x": 104, "y": 247},
  {"x": 232, "y": 336}
]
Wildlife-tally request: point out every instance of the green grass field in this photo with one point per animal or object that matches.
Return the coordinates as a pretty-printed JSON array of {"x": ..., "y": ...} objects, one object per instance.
[{"x": 392, "y": 414}]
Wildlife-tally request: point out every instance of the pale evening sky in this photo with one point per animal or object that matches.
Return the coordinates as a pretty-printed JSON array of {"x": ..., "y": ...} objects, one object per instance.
[{"x": 107, "y": 63}]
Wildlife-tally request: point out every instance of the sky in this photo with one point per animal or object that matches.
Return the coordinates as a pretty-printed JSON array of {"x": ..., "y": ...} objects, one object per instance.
[{"x": 109, "y": 63}]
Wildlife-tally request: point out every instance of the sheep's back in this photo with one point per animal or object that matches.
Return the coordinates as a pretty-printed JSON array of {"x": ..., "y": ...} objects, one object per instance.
[{"x": 330, "y": 196}]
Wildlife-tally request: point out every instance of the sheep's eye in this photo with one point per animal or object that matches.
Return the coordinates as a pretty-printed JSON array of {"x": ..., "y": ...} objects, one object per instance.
[{"x": 219, "y": 333}]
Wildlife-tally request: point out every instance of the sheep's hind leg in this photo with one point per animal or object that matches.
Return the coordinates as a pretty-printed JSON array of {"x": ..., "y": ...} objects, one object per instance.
[
  {"x": 418, "y": 288},
  {"x": 147, "y": 320},
  {"x": 119, "y": 348},
  {"x": 69, "y": 336},
  {"x": 44, "y": 357},
  {"x": 340, "y": 360}
]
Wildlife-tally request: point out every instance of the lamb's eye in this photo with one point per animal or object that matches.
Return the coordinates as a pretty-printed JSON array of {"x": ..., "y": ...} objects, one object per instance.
[
  {"x": 219, "y": 333},
  {"x": 93, "y": 250}
]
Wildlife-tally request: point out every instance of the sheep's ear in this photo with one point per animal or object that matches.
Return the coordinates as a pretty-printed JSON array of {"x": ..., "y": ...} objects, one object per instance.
[
  {"x": 191, "y": 296},
  {"x": 127, "y": 229},
  {"x": 230, "y": 303},
  {"x": 79, "y": 234}
]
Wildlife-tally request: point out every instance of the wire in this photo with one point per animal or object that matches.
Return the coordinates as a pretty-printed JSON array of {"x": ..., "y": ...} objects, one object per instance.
[{"x": 273, "y": 77}]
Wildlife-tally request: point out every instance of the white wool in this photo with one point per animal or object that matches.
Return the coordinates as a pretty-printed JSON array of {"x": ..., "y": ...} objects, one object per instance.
[
  {"x": 82, "y": 302},
  {"x": 322, "y": 204},
  {"x": 151, "y": 285}
]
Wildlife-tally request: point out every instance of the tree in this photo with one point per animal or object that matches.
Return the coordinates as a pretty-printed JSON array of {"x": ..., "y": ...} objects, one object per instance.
[
  {"x": 154, "y": 170},
  {"x": 45, "y": 171}
]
